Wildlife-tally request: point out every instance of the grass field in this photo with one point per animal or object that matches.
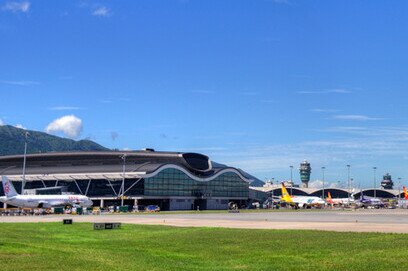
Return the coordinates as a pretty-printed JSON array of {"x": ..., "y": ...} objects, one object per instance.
[{"x": 53, "y": 246}]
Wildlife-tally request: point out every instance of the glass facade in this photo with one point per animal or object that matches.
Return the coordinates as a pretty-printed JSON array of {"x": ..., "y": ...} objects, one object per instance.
[
  {"x": 173, "y": 182},
  {"x": 167, "y": 183}
]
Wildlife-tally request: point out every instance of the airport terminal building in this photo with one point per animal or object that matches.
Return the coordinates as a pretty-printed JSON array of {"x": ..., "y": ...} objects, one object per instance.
[{"x": 171, "y": 180}]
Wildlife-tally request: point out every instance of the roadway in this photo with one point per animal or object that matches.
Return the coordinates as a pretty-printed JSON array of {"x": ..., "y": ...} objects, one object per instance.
[{"x": 395, "y": 221}]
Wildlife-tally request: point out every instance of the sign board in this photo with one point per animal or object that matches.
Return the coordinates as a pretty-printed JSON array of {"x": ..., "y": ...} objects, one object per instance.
[{"x": 106, "y": 226}]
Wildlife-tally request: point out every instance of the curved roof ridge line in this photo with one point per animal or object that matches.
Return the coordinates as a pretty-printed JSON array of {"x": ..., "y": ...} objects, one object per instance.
[{"x": 199, "y": 179}]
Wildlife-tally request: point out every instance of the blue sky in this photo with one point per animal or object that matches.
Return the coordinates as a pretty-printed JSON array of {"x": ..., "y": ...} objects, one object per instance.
[{"x": 260, "y": 84}]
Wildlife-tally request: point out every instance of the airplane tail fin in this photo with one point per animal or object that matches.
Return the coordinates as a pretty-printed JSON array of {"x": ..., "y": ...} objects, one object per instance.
[
  {"x": 405, "y": 193},
  {"x": 8, "y": 188},
  {"x": 362, "y": 195},
  {"x": 329, "y": 196},
  {"x": 285, "y": 195}
]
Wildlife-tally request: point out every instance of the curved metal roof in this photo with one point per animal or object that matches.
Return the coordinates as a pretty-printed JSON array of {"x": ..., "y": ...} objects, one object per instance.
[
  {"x": 311, "y": 191},
  {"x": 109, "y": 165}
]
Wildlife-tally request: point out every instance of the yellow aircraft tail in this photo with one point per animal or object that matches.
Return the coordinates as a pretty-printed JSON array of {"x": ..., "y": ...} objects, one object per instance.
[
  {"x": 405, "y": 193},
  {"x": 285, "y": 195}
]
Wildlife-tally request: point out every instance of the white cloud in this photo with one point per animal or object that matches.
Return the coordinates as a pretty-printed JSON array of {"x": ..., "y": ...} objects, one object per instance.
[
  {"x": 322, "y": 110},
  {"x": 101, "y": 12},
  {"x": 203, "y": 91},
  {"x": 268, "y": 101},
  {"x": 19, "y": 83},
  {"x": 355, "y": 117},
  {"x": 363, "y": 150},
  {"x": 69, "y": 125},
  {"x": 17, "y": 6},
  {"x": 338, "y": 90},
  {"x": 327, "y": 91},
  {"x": 20, "y": 126},
  {"x": 249, "y": 93},
  {"x": 1, "y": 122},
  {"x": 286, "y": 2},
  {"x": 318, "y": 184}
]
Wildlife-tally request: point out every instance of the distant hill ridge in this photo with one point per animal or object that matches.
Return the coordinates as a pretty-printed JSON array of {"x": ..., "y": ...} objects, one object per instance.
[{"x": 12, "y": 142}]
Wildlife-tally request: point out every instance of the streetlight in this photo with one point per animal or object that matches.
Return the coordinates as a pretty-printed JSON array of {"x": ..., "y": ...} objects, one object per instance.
[
  {"x": 399, "y": 192},
  {"x": 24, "y": 163},
  {"x": 351, "y": 185},
  {"x": 323, "y": 168},
  {"x": 123, "y": 177},
  {"x": 291, "y": 180},
  {"x": 273, "y": 204},
  {"x": 348, "y": 185},
  {"x": 375, "y": 181}
]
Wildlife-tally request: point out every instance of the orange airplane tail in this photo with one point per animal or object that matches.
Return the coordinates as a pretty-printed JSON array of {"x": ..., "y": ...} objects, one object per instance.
[
  {"x": 329, "y": 198},
  {"x": 405, "y": 193}
]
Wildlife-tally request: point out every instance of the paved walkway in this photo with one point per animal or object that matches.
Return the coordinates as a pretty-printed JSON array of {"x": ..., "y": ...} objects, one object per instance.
[{"x": 395, "y": 221}]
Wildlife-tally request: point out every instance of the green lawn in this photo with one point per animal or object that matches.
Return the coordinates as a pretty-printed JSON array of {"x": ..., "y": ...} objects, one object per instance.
[{"x": 53, "y": 246}]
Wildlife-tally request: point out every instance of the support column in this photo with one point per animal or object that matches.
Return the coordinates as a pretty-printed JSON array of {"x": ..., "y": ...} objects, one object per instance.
[
  {"x": 135, "y": 206},
  {"x": 5, "y": 205},
  {"x": 102, "y": 202}
]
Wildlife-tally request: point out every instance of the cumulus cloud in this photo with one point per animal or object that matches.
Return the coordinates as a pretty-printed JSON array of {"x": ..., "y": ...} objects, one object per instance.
[
  {"x": 318, "y": 184},
  {"x": 1, "y": 122},
  {"x": 70, "y": 126},
  {"x": 101, "y": 12},
  {"x": 17, "y": 6}
]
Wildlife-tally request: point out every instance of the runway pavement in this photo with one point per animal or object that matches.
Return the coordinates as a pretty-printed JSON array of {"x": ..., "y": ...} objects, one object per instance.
[{"x": 395, "y": 221}]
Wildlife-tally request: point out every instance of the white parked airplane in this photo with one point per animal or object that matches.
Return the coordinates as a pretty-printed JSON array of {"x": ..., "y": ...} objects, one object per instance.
[
  {"x": 301, "y": 201},
  {"x": 339, "y": 201},
  {"x": 40, "y": 201}
]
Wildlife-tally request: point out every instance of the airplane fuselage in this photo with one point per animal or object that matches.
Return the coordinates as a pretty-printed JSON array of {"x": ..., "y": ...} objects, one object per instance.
[
  {"x": 342, "y": 201},
  {"x": 302, "y": 201},
  {"x": 47, "y": 201}
]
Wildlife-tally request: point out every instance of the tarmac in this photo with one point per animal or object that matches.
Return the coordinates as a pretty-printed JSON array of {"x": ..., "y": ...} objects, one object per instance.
[{"x": 389, "y": 221}]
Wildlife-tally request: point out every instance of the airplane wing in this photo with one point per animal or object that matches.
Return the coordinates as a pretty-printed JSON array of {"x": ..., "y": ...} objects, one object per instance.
[{"x": 55, "y": 203}]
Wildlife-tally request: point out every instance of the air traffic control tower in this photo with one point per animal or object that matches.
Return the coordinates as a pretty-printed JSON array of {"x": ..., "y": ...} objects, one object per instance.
[
  {"x": 387, "y": 182},
  {"x": 305, "y": 171}
]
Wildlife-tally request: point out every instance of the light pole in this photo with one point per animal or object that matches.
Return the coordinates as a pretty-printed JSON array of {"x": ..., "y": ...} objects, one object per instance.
[
  {"x": 24, "y": 164},
  {"x": 273, "y": 203},
  {"x": 323, "y": 168},
  {"x": 351, "y": 186},
  {"x": 399, "y": 192},
  {"x": 123, "y": 178},
  {"x": 375, "y": 181},
  {"x": 291, "y": 180},
  {"x": 348, "y": 185}
]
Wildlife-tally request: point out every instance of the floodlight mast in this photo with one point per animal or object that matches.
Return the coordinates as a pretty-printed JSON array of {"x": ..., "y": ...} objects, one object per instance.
[
  {"x": 323, "y": 168},
  {"x": 24, "y": 163},
  {"x": 123, "y": 178},
  {"x": 273, "y": 206},
  {"x": 375, "y": 181},
  {"x": 348, "y": 184},
  {"x": 291, "y": 180},
  {"x": 399, "y": 192}
]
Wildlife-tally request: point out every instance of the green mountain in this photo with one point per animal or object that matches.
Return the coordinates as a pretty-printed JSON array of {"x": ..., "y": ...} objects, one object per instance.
[{"x": 12, "y": 142}]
